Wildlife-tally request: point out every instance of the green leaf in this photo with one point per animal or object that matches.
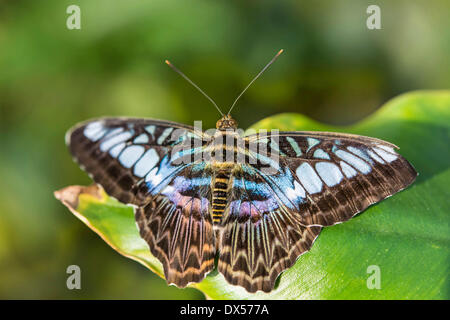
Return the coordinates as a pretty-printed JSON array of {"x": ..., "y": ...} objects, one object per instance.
[{"x": 405, "y": 236}]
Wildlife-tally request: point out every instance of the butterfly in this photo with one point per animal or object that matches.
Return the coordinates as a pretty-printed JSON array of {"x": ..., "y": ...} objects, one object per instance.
[{"x": 255, "y": 202}]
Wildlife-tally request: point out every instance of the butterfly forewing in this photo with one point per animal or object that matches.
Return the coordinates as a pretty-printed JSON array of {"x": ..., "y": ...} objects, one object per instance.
[
  {"x": 327, "y": 178},
  {"x": 130, "y": 158}
]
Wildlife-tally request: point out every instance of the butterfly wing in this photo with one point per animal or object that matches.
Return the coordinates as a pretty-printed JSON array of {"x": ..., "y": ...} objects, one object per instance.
[
  {"x": 147, "y": 163},
  {"x": 123, "y": 155},
  {"x": 260, "y": 236},
  {"x": 178, "y": 227},
  {"x": 329, "y": 177},
  {"x": 316, "y": 180}
]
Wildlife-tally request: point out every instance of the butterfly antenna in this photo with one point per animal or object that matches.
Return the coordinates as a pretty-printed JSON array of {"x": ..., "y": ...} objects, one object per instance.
[
  {"x": 257, "y": 76},
  {"x": 192, "y": 83}
]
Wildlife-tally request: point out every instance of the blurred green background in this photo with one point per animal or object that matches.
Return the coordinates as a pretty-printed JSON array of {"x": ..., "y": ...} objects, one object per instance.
[{"x": 334, "y": 70}]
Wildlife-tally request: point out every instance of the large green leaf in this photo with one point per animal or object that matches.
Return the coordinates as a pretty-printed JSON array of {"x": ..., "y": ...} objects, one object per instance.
[{"x": 406, "y": 236}]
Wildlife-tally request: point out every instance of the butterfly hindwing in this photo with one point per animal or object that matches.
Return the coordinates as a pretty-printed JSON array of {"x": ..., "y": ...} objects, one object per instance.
[
  {"x": 260, "y": 236},
  {"x": 177, "y": 225},
  {"x": 329, "y": 177}
]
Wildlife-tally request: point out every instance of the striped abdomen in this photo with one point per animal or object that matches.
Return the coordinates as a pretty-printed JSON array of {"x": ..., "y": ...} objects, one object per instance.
[{"x": 220, "y": 195}]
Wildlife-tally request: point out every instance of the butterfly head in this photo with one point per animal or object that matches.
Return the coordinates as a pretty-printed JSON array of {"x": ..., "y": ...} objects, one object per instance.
[{"x": 226, "y": 122}]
